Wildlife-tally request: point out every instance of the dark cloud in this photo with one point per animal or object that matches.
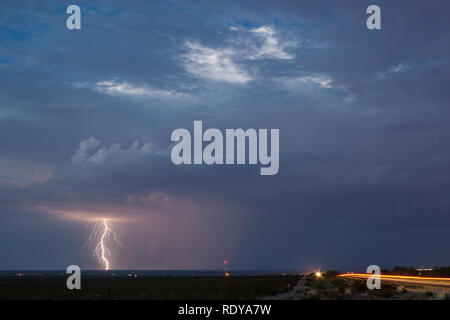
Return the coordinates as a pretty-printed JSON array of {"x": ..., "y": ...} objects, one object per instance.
[{"x": 86, "y": 118}]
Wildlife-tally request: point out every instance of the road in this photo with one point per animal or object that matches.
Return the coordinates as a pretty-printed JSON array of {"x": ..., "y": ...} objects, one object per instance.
[{"x": 433, "y": 281}]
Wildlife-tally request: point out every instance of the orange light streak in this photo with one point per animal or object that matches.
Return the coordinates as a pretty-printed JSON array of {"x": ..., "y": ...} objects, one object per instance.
[{"x": 367, "y": 275}]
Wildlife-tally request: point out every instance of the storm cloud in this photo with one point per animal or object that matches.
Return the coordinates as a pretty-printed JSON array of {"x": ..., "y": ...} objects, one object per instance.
[{"x": 86, "y": 118}]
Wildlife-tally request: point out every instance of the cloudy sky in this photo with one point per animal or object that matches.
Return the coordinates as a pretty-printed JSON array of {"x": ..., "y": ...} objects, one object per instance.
[{"x": 86, "y": 118}]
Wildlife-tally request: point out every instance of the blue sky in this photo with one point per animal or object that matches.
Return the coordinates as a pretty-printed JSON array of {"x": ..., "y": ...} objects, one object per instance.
[{"x": 86, "y": 118}]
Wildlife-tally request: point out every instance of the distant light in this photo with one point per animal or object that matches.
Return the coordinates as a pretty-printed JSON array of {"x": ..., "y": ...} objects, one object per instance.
[
  {"x": 318, "y": 274},
  {"x": 227, "y": 274},
  {"x": 225, "y": 261}
]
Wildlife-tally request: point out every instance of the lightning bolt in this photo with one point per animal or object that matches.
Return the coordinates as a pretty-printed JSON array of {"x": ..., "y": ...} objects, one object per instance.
[{"x": 101, "y": 251}]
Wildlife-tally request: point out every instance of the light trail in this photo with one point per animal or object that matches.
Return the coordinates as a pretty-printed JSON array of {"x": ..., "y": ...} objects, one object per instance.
[
  {"x": 101, "y": 250},
  {"x": 436, "y": 281},
  {"x": 392, "y": 276}
]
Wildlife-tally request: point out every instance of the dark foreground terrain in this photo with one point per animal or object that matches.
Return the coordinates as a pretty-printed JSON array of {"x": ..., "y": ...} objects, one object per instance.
[
  {"x": 332, "y": 287},
  {"x": 145, "y": 287},
  {"x": 126, "y": 285}
]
